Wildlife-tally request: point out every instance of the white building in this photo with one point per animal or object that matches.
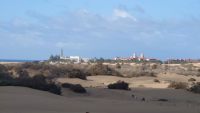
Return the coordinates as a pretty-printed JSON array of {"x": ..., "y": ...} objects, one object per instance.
[
  {"x": 76, "y": 59},
  {"x": 134, "y": 56}
]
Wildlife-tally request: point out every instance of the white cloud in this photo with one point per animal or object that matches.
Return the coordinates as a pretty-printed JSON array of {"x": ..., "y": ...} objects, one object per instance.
[
  {"x": 85, "y": 31},
  {"x": 27, "y": 40},
  {"x": 120, "y": 13},
  {"x": 69, "y": 45}
]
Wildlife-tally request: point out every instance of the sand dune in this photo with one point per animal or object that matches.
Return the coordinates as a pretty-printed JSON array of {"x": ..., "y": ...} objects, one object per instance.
[
  {"x": 26, "y": 100},
  {"x": 10, "y": 62},
  {"x": 148, "y": 82}
]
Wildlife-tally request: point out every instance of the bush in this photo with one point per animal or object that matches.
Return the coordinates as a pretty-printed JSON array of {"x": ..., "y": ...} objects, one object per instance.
[
  {"x": 178, "y": 85},
  {"x": 54, "y": 71},
  {"x": 22, "y": 73},
  {"x": 66, "y": 85},
  {"x": 53, "y": 88},
  {"x": 75, "y": 87},
  {"x": 100, "y": 69},
  {"x": 5, "y": 78},
  {"x": 40, "y": 82},
  {"x": 154, "y": 66},
  {"x": 163, "y": 100},
  {"x": 3, "y": 69},
  {"x": 118, "y": 66},
  {"x": 68, "y": 72},
  {"x": 156, "y": 80},
  {"x": 119, "y": 85},
  {"x": 78, "y": 88},
  {"x": 76, "y": 73},
  {"x": 140, "y": 74},
  {"x": 191, "y": 80},
  {"x": 195, "y": 88},
  {"x": 37, "y": 82}
]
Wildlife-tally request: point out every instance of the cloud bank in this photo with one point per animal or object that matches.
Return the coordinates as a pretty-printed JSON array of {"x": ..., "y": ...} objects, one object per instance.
[{"x": 88, "y": 34}]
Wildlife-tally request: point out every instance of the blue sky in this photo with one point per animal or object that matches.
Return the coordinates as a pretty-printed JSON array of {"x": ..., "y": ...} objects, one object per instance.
[{"x": 35, "y": 29}]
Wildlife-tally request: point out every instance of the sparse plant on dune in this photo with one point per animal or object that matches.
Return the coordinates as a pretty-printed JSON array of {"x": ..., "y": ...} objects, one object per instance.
[
  {"x": 37, "y": 82},
  {"x": 119, "y": 85},
  {"x": 156, "y": 80},
  {"x": 74, "y": 87},
  {"x": 178, "y": 85},
  {"x": 191, "y": 80},
  {"x": 100, "y": 69},
  {"x": 195, "y": 88},
  {"x": 118, "y": 66}
]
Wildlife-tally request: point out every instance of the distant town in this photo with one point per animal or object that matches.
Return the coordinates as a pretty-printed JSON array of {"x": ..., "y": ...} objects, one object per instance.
[{"x": 134, "y": 58}]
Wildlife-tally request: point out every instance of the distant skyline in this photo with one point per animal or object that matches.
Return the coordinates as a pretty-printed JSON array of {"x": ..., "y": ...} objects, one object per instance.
[{"x": 35, "y": 29}]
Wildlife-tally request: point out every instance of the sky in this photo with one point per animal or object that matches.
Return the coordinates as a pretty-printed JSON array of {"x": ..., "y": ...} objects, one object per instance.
[{"x": 35, "y": 29}]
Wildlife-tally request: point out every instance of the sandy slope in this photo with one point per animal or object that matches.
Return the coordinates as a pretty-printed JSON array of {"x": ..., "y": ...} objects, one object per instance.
[
  {"x": 148, "y": 82},
  {"x": 10, "y": 62},
  {"x": 103, "y": 81},
  {"x": 25, "y": 100}
]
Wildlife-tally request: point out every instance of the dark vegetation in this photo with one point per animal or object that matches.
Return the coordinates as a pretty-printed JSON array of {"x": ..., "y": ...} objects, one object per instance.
[
  {"x": 191, "y": 80},
  {"x": 39, "y": 82},
  {"x": 118, "y": 66},
  {"x": 54, "y": 58},
  {"x": 163, "y": 100},
  {"x": 178, "y": 85},
  {"x": 142, "y": 73},
  {"x": 70, "y": 71},
  {"x": 119, "y": 85},
  {"x": 154, "y": 66},
  {"x": 54, "y": 71},
  {"x": 156, "y": 80},
  {"x": 195, "y": 88},
  {"x": 75, "y": 87},
  {"x": 100, "y": 69}
]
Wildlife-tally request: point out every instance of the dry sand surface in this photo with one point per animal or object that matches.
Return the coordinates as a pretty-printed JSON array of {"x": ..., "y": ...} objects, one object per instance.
[
  {"x": 98, "y": 100},
  {"x": 148, "y": 82},
  {"x": 10, "y": 62}
]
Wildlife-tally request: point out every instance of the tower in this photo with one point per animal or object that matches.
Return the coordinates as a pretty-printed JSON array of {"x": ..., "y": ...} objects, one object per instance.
[
  {"x": 61, "y": 53},
  {"x": 142, "y": 56},
  {"x": 134, "y": 55}
]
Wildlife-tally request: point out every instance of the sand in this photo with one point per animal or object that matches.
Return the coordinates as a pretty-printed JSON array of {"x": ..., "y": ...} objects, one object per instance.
[
  {"x": 10, "y": 62},
  {"x": 148, "y": 82},
  {"x": 98, "y": 100}
]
